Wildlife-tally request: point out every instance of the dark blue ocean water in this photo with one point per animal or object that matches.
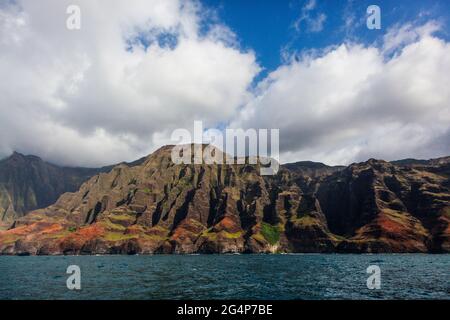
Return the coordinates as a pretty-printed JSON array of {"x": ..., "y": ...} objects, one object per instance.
[{"x": 299, "y": 276}]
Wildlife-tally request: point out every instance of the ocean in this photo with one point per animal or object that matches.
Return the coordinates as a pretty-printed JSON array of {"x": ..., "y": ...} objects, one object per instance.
[{"x": 288, "y": 276}]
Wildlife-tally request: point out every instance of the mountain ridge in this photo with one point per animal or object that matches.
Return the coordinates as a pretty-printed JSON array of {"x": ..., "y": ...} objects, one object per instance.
[
  {"x": 159, "y": 207},
  {"x": 27, "y": 183}
]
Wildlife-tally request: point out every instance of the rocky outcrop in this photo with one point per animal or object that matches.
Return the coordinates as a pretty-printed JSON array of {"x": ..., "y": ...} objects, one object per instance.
[{"x": 157, "y": 206}]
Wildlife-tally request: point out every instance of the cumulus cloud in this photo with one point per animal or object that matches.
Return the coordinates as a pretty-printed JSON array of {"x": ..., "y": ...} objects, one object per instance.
[
  {"x": 116, "y": 89},
  {"x": 353, "y": 102},
  {"x": 109, "y": 91},
  {"x": 400, "y": 35}
]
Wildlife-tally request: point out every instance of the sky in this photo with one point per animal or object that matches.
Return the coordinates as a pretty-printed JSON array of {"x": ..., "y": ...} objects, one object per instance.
[{"x": 135, "y": 71}]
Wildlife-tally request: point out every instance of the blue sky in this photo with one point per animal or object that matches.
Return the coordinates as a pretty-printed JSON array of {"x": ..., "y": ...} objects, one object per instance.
[{"x": 268, "y": 26}]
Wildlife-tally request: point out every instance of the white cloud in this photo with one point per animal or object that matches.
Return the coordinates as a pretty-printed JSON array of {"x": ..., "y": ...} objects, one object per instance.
[
  {"x": 399, "y": 36},
  {"x": 351, "y": 103},
  {"x": 312, "y": 22},
  {"x": 98, "y": 95},
  {"x": 116, "y": 89}
]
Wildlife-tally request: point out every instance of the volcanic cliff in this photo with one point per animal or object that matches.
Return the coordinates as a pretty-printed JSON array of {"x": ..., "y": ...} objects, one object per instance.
[
  {"x": 28, "y": 183},
  {"x": 156, "y": 206}
]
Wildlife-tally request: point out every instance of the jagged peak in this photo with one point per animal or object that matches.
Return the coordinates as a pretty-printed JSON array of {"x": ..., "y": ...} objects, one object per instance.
[
  {"x": 17, "y": 156},
  {"x": 166, "y": 151},
  {"x": 370, "y": 161},
  {"x": 376, "y": 161},
  {"x": 372, "y": 164}
]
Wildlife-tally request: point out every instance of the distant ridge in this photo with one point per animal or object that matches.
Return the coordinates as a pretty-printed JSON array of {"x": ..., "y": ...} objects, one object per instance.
[{"x": 28, "y": 183}]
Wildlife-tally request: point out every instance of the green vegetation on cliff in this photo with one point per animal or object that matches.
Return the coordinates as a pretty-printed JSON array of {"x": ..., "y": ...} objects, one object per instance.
[{"x": 270, "y": 232}]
